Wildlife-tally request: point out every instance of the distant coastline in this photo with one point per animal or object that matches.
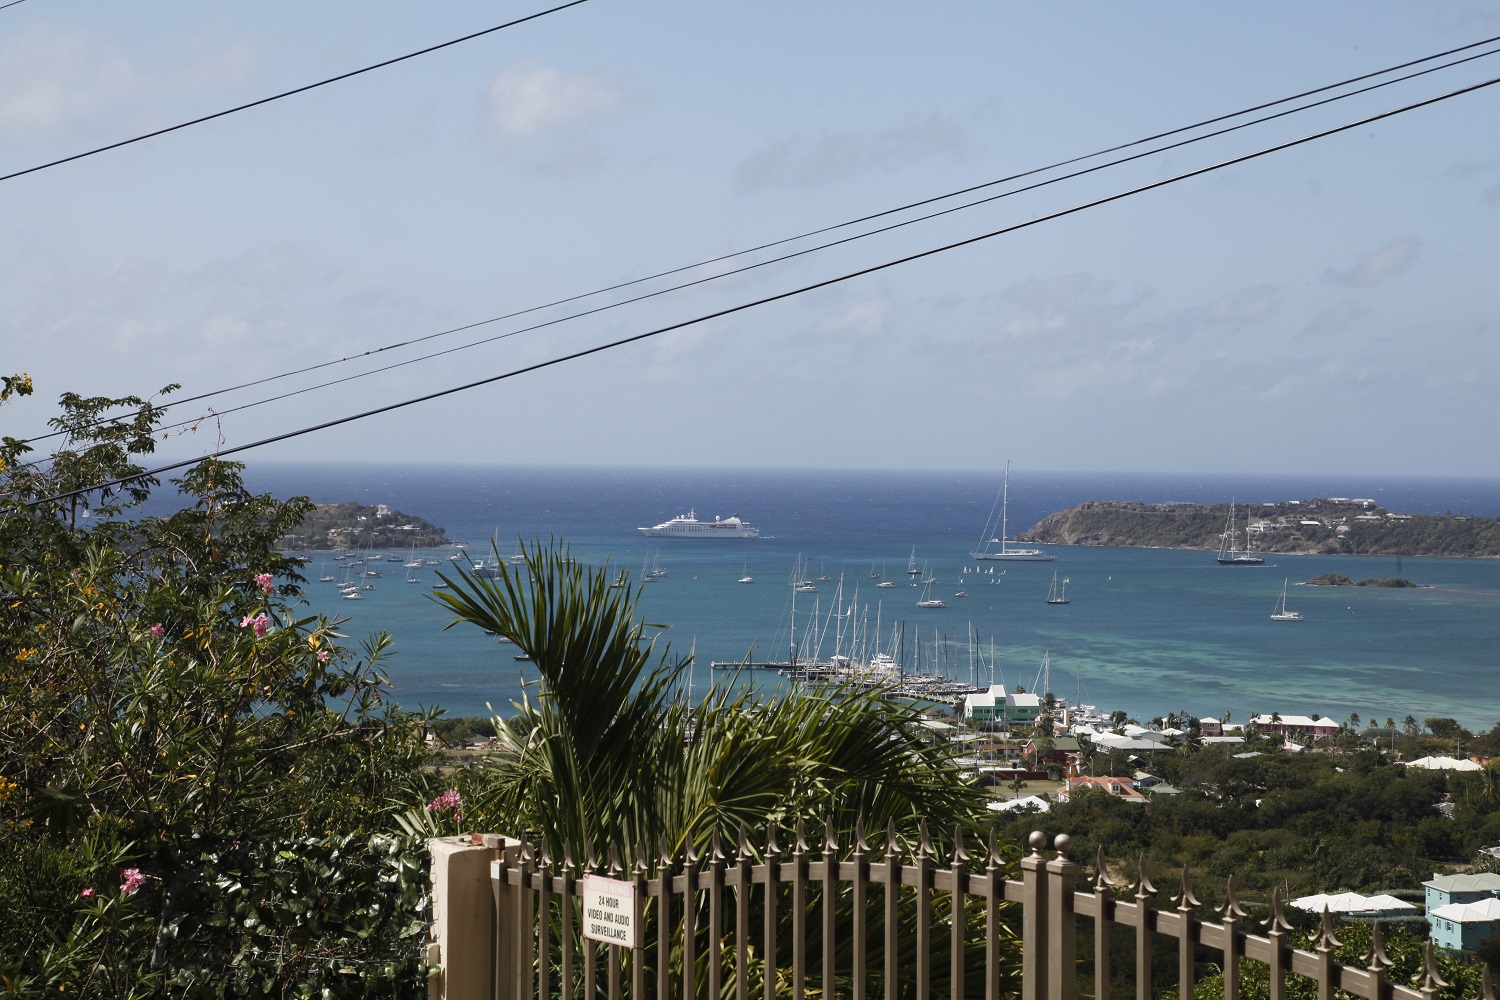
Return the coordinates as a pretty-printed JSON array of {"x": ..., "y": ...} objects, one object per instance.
[{"x": 1320, "y": 526}]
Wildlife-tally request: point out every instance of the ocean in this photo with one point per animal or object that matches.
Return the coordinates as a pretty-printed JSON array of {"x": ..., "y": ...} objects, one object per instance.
[{"x": 1147, "y": 631}]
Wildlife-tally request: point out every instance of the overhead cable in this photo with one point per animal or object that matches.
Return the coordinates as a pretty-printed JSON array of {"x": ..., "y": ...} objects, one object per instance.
[
  {"x": 779, "y": 296},
  {"x": 809, "y": 250},
  {"x": 289, "y": 93}
]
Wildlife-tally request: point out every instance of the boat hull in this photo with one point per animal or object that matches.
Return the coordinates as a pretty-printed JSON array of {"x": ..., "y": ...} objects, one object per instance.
[{"x": 1015, "y": 555}]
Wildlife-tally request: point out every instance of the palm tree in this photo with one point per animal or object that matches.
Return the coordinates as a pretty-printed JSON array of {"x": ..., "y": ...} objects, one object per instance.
[
  {"x": 606, "y": 755},
  {"x": 605, "y": 751}
]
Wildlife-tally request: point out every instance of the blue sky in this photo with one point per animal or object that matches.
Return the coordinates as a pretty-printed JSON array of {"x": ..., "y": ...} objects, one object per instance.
[{"x": 1330, "y": 307}]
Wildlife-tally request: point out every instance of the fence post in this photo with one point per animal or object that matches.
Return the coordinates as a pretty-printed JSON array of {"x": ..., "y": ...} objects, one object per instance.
[
  {"x": 1034, "y": 920},
  {"x": 505, "y": 948},
  {"x": 1062, "y": 925},
  {"x": 463, "y": 918}
]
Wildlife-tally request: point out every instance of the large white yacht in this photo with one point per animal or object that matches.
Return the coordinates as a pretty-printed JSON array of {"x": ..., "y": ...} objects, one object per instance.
[{"x": 688, "y": 526}]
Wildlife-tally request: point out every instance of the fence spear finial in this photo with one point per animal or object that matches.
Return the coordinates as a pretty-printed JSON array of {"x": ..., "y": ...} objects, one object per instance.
[
  {"x": 1277, "y": 922},
  {"x": 924, "y": 842},
  {"x": 1232, "y": 909},
  {"x": 892, "y": 844},
  {"x": 1431, "y": 981},
  {"x": 1102, "y": 880},
  {"x": 800, "y": 845},
  {"x": 960, "y": 855},
  {"x": 830, "y": 839},
  {"x": 1143, "y": 887},
  {"x": 1323, "y": 936},
  {"x": 1185, "y": 899},
  {"x": 1376, "y": 959}
]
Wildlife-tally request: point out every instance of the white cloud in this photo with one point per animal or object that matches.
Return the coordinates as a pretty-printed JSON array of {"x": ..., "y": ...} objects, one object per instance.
[
  {"x": 527, "y": 100},
  {"x": 1245, "y": 305},
  {"x": 1376, "y": 267},
  {"x": 1332, "y": 319},
  {"x": 52, "y": 77},
  {"x": 862, "y": 319},
  {"x": 821, "y": 159}
]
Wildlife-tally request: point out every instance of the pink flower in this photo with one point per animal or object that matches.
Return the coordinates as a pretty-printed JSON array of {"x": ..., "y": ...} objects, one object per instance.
[
  {"x": 260, "y": 623},
  {"x": 448, "y": 800},
  {"x": 158, "y": 630},
  {"x": 133, "y": 881},
  {"x": 263, "y": 581},
  {"x": 87, "y": 893},
  {"x": 322, "y": 656}
]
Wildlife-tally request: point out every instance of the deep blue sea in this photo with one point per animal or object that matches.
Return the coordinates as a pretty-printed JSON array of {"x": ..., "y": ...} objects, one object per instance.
[{"x": 1147, "y": 631}]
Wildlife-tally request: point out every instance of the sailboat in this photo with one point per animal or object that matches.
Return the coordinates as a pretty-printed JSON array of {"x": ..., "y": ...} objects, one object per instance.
[
  {"x": 1282, "y": 614},
  {"x": 1228, "y": 554},
  {"x": 747, "y": 578},
  {"x": 1005, "y": 551},
  {"x": 1055, "y": 596},
  {"x": 911, "y": 564},
  {"x": 928, "y": 601}
]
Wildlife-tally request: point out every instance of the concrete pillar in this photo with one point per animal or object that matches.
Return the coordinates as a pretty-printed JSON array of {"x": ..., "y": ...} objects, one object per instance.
[{"x": 463, "y": 919}]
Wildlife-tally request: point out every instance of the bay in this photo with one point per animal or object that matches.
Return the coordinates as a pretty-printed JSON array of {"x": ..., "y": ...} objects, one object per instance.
[{"x": 1147, "y": 631}]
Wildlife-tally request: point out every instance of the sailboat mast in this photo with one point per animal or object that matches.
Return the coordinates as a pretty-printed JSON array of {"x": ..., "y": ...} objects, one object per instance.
[{"x": 1004, "y": 503}]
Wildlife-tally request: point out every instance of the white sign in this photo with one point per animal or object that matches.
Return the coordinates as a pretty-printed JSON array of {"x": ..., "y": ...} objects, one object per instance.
[{"x": 609, "y": 913}]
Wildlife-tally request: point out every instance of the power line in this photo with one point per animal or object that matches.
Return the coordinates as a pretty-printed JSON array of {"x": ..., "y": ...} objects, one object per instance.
[
  {"x": 289, "y": 93},
  {"x": 817, "y": 232},
  {"x": 802, "y": 290}
]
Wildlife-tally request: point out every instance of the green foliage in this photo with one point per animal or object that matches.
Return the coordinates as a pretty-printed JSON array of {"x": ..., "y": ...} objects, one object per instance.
[
  {"x": 608, "y": 757},
  {"x": 609, "y": 753},
  {"x": 198, "y": 790}
]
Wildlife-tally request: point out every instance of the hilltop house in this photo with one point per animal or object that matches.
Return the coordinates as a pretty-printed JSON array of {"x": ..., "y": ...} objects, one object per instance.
[
  {"x": 1120, "y": 788},
  {"x": 1000, "y": 709},
  {"x": 1463, "y": 909},
  {"x": 1301, "y": 726}
]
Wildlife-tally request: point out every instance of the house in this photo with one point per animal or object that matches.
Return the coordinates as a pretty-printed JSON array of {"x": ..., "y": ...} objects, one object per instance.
[
  {"x": 1002, "y": 709},
  {"x": 1445, "y": 889},
  {"x": 1302, "y": 726},
  {"x": 1120, "y": 788},
  {"x": 1352, "y": 904},
  {"x": 1463, "y": 926},
  {"x": 1444, "y": 764}
]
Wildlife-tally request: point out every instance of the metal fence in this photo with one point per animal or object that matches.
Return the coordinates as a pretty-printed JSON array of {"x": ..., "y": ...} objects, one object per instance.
[{"x": 906, "y": 921}]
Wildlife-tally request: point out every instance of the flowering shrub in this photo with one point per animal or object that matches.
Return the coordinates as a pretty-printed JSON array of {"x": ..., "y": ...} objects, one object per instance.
[
  {"x": 242, "y": 781},
  {"x": 260, "y": 623}
]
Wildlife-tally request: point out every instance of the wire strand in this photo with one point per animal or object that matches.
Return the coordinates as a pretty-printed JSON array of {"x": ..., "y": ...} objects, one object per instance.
[
  {"x": 178, "y": 403},
  {"x": 289, "y": 93},
  {"x": 779, "y": 296}
]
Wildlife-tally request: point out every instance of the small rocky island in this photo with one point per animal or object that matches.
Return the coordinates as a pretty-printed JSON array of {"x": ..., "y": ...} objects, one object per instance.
[
  {"x": 1318, "y": 526},
  {"x": 332, "y": 527}
]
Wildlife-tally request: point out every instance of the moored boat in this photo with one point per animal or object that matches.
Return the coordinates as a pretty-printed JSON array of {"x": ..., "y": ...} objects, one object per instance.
[{"x": 688, "y": 526}]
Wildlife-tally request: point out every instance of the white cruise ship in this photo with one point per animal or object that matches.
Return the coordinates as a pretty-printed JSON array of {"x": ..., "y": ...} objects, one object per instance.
[{"x": 688, "y": 526}]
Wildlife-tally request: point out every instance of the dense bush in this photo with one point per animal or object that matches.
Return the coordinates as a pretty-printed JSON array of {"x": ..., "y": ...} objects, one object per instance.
[{"x": 201, "y": 794}]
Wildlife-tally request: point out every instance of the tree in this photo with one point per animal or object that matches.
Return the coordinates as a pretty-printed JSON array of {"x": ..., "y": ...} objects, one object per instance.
[
  {"x": 164, "y": 713},
  {"x": 608, "y": 756},
  {"x": 610, "y": 753}
]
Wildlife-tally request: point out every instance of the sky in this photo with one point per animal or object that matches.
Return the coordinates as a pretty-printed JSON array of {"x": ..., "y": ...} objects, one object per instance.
[{"x": 1327, "y": 307}]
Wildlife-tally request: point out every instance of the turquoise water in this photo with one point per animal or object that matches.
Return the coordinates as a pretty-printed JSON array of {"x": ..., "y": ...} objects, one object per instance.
[{"x": 1148, "y": 631}]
